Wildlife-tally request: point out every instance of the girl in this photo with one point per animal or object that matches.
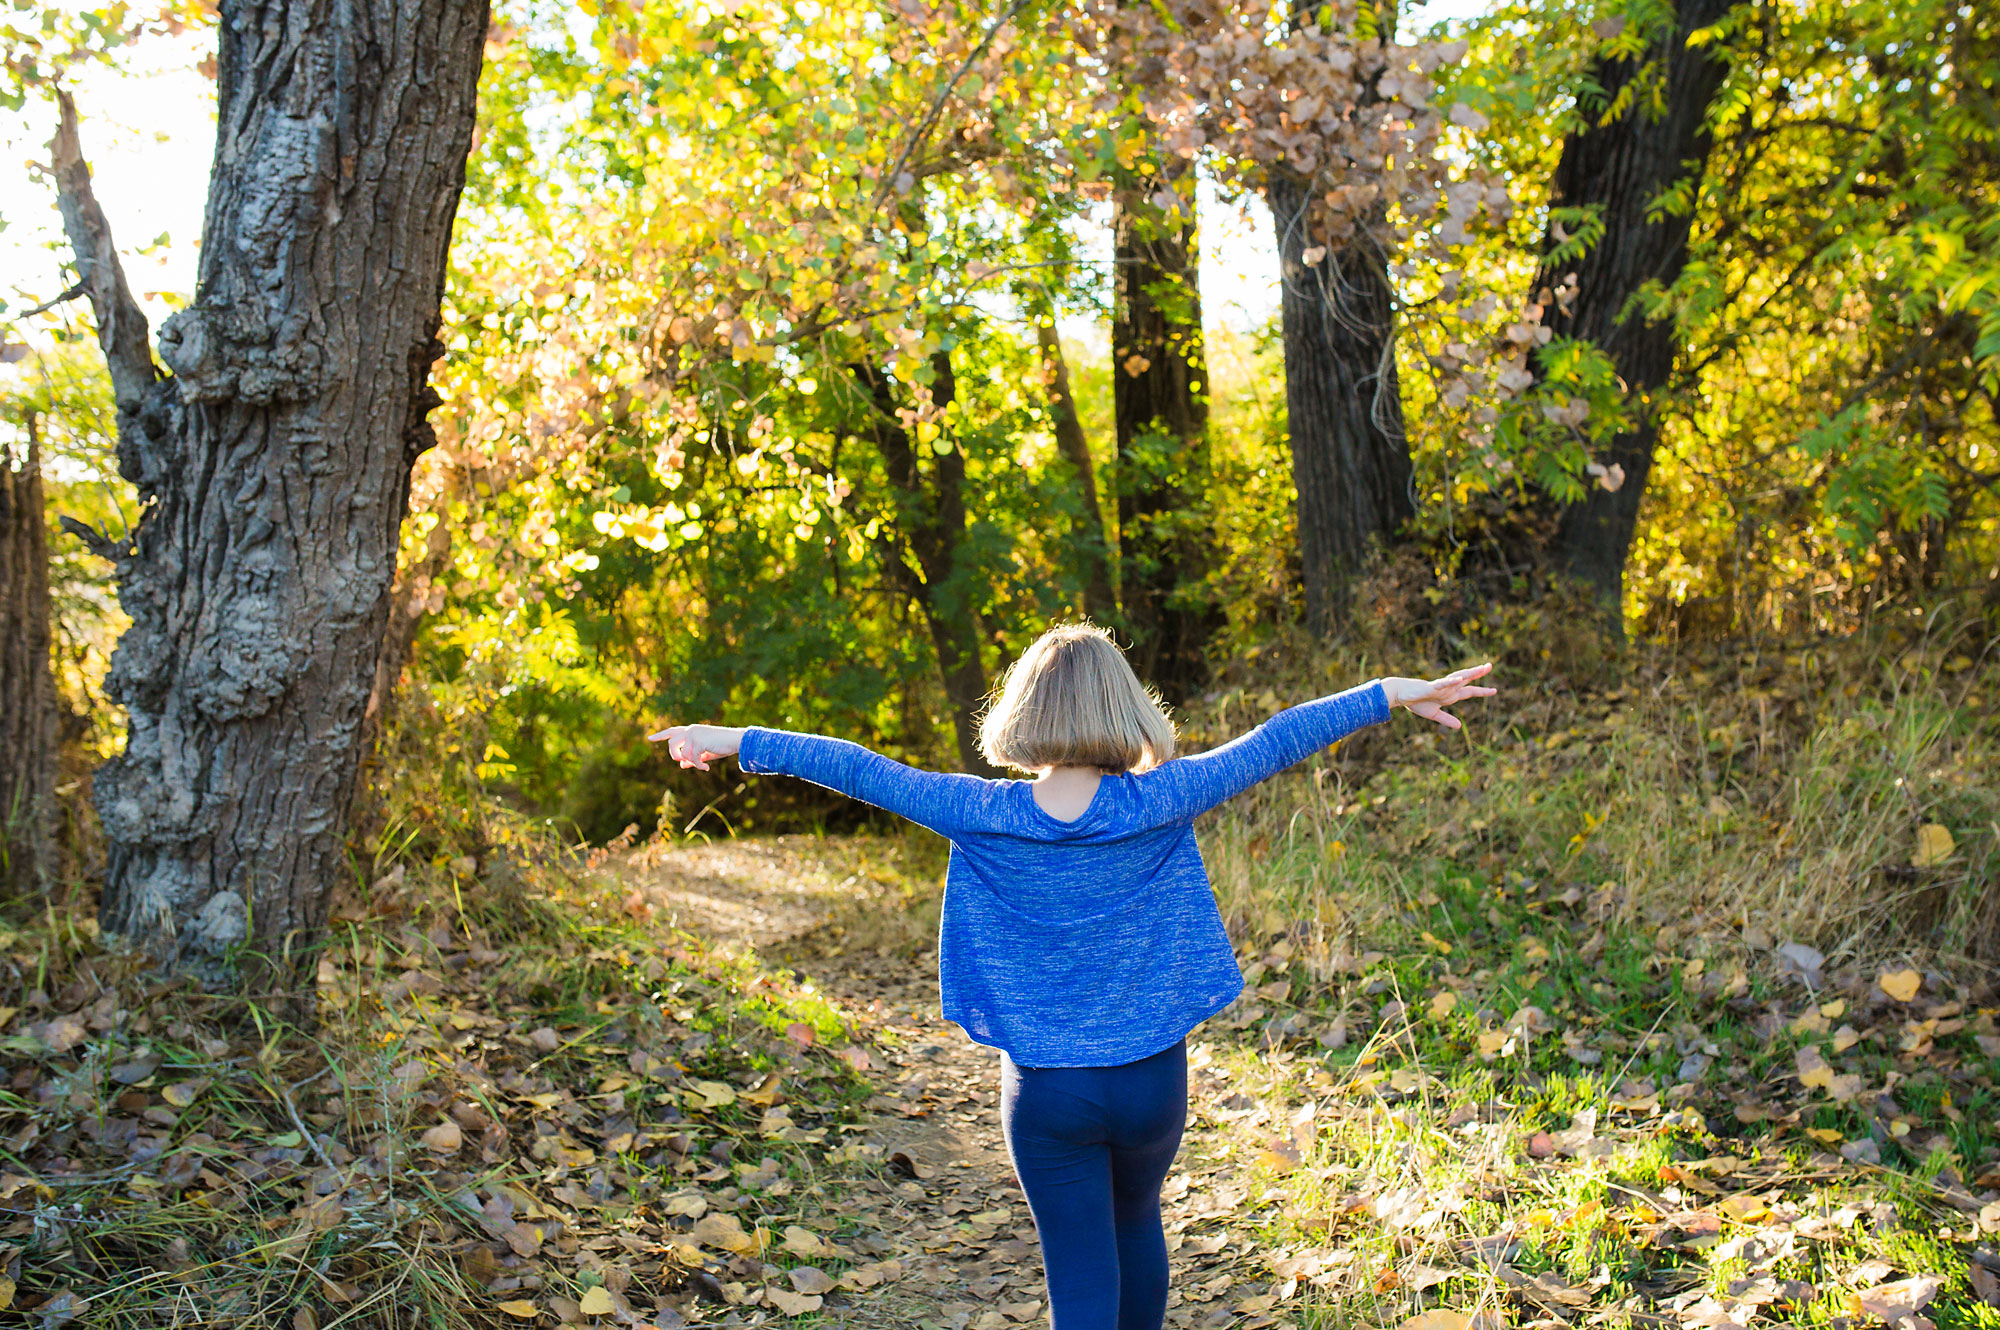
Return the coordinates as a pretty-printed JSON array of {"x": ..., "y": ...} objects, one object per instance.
[{"x": 1079, "y": 935}]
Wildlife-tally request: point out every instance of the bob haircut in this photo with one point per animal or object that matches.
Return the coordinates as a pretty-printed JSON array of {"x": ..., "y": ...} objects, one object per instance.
[{"x": 1072, "y": 701}]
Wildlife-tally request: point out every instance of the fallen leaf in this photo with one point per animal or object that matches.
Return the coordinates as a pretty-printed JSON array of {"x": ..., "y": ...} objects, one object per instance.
[
  {"x": 1439, "y": 1318},
  {"x": 709, "y": 1094},
  {"x": 63, "y": 1033},
  {"x": 724, "y": 1231},
  {"x": 804, "y": 1242},
  {"x": 810, "y": 1279},
  {"x": 1934, "y": 846},
  {"x": 1902, "y": 985},
  {"x": 793, "y": 1304},
  {"x": 597, "y": 1301},
  {"x": 801, "y": 1034},
  {"x": 1893, "y": 1302},
  {"x": 445, "y": 1138},
  {"x": 183, "y": 1093},
  {"x": 1279, "y": 1157},
  {"x": 131, "y": 1073},
  {"x": 1443, "y": 1004},
  {"x": 1812, "y": 1067}
]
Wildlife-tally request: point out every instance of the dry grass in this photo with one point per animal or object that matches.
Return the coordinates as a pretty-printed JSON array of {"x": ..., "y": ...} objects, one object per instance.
[{"x": 1778, "y": 791}]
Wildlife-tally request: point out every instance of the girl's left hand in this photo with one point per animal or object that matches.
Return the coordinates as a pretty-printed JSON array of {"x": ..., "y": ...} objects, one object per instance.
[
  {"x": 1429, "y": 697},
  {"x": 695, "y": 745}
]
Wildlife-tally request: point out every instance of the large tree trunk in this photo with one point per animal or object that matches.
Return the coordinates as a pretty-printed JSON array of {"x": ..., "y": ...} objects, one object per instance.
[
  {"x": 1350, "y": 461},
  {"x": 1622, "y": 168},
  {"x": 1092, "y": 550},
  {"x": 1159, "y": 375},
  {"x": 27, "y": 685},
  {"x": 931, "y": 521},
  {"x": 274, "y": 461}
]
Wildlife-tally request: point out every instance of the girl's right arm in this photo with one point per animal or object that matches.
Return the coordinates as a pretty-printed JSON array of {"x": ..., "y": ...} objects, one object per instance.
[
  {"x": 940, "y": 801},
  {"x": 1198, "y": 783}
]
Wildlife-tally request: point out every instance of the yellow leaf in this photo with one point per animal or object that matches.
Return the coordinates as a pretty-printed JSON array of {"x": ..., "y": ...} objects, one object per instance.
[
  {"x": 182, "y": 1093},
  {"x": 1439, "y": 1318},
  {"x": 710, "y": 1094},
  {"x": 597, "y": 1301},
  {"x": 6, "y": 1293},
  {"x": 1812, "y": 1067},
  {"x": 1279, "y": 1159},
  {"x": 1443, "y": 1005},
  {"x": 804, "y": 1242},
  {"x": 1901, "y": 985},
  {"x": 521, "y": 1310},
  {"x": 1825, "y": 1135},
  {"x": 1934, "y": 846}
]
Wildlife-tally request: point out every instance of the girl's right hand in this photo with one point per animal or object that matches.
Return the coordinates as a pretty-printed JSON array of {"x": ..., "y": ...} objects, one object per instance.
[
  {"x": 695, "y": 745},
  {"x": 1429, "y": 697}
]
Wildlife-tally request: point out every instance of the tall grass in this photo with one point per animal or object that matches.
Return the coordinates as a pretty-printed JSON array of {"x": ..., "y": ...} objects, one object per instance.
[{"x": 1774, "y": 794}]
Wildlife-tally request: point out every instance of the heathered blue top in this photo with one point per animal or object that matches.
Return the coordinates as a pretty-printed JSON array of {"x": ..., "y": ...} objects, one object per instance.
[{"x": 1090, "y": 943}]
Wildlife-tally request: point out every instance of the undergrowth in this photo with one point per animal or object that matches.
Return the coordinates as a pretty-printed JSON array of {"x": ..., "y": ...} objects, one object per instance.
[{"x": 500, "y": 1066}]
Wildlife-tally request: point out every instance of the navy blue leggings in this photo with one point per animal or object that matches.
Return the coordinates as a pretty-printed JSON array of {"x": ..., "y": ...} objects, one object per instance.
[{"x": 1092, "y": 1146}]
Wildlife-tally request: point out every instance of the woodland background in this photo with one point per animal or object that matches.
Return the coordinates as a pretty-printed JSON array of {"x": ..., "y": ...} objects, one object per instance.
[{"x": 796, "y": 364}]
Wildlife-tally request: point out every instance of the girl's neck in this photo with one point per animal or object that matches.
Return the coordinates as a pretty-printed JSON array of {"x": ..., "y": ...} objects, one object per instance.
[{"x": 1065, "y": 793}]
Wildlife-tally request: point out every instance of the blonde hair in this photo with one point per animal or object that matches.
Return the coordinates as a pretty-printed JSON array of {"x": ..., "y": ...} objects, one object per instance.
[{"x": 1072, "y": 701}]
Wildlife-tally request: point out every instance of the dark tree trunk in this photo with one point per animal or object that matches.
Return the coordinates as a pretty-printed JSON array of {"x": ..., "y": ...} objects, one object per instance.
[
  {"x": 1100, "y": 600},
  {"x": 931, "y": 520},
  {"x": 1621, "y": 169},
  {"x": 274, "y": 460},
  {"x": 1159, "y": 375},
  {"x": 1350, "y": 461},
  {"x": 27, "y": 684}
]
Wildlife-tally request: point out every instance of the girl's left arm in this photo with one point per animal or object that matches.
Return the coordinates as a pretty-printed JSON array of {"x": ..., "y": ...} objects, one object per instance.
[
  {"x": 940, "y": 801},
  {"x": 1204, "y": 780}
]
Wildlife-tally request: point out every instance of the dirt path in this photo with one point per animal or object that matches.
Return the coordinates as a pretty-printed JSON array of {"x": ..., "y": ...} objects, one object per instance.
[{"x": 943, "y": 1201}]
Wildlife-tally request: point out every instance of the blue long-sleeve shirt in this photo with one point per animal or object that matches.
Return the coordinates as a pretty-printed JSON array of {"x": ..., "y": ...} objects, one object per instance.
[{"x": 1088, "y": 943}]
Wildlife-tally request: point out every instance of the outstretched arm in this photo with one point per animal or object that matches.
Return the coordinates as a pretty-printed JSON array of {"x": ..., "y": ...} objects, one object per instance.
[
  {"x": 938, "y": 800},
  {"x": 1198, "y": 783}
]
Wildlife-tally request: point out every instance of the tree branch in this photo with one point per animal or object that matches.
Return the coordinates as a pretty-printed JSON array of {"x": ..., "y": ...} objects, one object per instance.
[
  {"x": 121, "y": 329},
  {"x": 52, "y": 302}
]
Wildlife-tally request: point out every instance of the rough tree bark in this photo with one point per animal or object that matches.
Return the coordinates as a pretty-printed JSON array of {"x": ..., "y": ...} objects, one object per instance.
[
  {"x": 1159, "y": 375},
  {"x": 27, "y": 684},
  {"x": 1622, "y": 168},
  {"x": 274, "y": 459},
  {"x": 1092, "y": 550},
  {"x": 1350, "y": 461},
  {"x": 931, "y": 522}
]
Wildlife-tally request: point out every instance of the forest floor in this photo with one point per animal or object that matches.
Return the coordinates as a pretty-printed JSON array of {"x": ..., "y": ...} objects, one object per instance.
[
  {"x": 708, "y": 1085},
  {"x": 946, "y": 1206}
]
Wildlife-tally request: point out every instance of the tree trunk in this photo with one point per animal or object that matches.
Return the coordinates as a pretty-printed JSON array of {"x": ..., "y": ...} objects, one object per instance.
[
  {"x": 931, "y": 520},
  {"x": 27, "y": 684},
  {"x": 1350, "y": 461},
  {"x": 1100, "y": 600},
  {"x": 274, "y": 460},
  {"x": 1159, "y": 379},
  {"x": 1622, "y": 168}
]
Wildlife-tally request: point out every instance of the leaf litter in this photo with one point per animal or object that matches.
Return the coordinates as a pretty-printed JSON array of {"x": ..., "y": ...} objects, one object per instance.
[{"x": 630, "y": 1114}]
